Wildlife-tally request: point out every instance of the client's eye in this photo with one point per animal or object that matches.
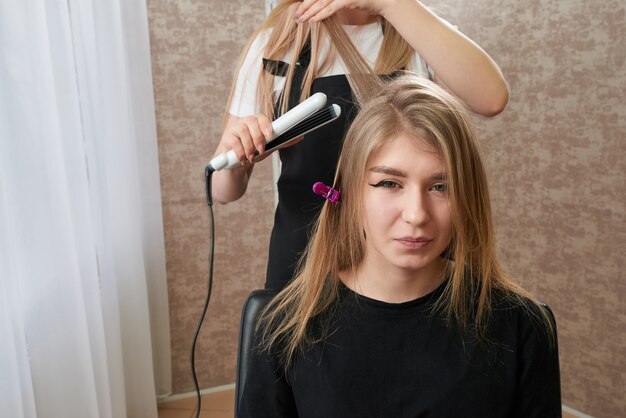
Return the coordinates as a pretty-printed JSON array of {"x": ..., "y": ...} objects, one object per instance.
[
  {"x": 440, "y": 187},
  {"x": 386, "y": 184}
]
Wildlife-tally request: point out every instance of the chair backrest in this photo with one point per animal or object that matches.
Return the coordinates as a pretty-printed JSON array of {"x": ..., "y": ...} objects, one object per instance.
[{"x": 252, "y": 307}]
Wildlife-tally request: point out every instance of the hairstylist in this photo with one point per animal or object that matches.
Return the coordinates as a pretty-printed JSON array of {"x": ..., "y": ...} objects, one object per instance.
[{"x": 335, "y": 47}]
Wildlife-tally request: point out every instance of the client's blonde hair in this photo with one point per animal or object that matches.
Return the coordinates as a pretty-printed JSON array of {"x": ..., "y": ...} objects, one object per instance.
[{"x": 426, "y": 112}]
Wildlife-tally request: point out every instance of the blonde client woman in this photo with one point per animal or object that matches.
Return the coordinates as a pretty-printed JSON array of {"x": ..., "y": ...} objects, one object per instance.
[{"x": 401, "y": 308}]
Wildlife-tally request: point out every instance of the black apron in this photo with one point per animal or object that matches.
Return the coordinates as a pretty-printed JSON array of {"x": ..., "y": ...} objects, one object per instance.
[{"x": 311, "y": 160}]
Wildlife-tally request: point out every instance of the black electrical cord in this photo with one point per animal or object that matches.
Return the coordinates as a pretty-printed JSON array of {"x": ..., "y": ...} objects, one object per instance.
[{"x": 207, "y": 178}]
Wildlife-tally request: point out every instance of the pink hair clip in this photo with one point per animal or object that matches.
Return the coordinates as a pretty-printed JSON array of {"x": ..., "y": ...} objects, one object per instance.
[{"x": 328, "y": 192}]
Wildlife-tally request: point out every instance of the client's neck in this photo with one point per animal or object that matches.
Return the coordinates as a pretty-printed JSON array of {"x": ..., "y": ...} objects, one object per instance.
[{"x": 394, "y": 285}]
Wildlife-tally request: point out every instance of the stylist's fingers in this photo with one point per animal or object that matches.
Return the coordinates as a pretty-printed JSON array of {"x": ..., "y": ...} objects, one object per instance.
[
  {"x": 254, "y": 132},
  {"x": 238, "y": 139},
  {"x": 265, "y": 126},
  {"x": 316, "y": 10},
  {"x": 245, "y": 136},
  {"x": 243, "y": 145},
  {"x": 250, "y": 135},
  {"x": 231, "y": 141}
]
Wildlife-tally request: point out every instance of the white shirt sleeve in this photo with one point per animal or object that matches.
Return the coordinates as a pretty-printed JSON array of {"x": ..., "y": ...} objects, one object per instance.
[{"x": 244, "y": 101}]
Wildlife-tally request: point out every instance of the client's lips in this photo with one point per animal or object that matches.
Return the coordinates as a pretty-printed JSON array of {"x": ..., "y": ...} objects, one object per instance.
[{"x": 414, "y": 242}]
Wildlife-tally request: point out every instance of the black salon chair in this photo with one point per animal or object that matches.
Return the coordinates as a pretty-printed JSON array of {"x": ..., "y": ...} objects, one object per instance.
[{"x": 252, "y": 307}]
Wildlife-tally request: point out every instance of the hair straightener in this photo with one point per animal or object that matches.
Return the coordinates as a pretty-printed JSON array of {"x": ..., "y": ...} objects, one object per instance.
[{"x": 302, "y": 119}]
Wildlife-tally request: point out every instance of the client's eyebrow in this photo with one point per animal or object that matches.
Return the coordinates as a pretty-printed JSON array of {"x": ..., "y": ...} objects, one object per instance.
[
  {"x": 439, "y": 177},
  {"x": 442, "y": 176},
  {"x": 388, "y": 170}
]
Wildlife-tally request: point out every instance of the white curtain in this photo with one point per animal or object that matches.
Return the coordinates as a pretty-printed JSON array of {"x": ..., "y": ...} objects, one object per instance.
[{"x": 83, "y": 304}]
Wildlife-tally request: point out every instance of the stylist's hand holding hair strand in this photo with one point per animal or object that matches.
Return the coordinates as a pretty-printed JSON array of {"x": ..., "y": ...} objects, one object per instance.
[{"x": 460, "y": 65}]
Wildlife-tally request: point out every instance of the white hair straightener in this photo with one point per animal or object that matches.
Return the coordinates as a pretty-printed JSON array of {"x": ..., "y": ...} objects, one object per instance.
[{"x": 302, "y": 119}]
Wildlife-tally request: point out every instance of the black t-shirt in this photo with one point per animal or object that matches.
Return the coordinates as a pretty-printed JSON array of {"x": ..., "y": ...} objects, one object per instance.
[{"x": 401, "y": 360}]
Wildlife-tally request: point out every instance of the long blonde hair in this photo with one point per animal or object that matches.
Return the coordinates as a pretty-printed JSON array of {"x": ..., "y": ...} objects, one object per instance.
[
  {"x": 285, "y": 34},
  {"x": 423, "y": 110}
]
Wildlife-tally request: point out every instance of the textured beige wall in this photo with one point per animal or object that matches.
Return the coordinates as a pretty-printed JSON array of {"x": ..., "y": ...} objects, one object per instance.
[{"x": 557, "y": 158}]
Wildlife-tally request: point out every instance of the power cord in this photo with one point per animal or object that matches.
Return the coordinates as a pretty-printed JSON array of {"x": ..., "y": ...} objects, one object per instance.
[{"x": 208, "y": 171}]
